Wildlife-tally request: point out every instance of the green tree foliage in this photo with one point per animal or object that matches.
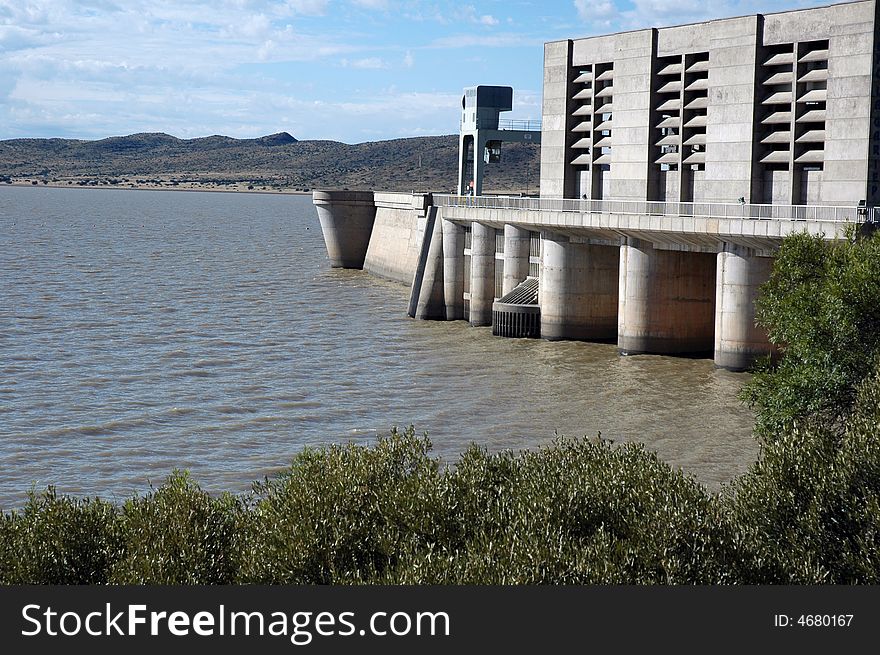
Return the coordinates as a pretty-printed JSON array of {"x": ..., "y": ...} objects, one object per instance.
[
  {"x": 822, "y": 307},
  {"x": 809, "y": 508},
  {"x": 344, "y": 513},
  {"x": 58, "y": 540},
  {"x": 177, "y": 534},
  {"x": 577, "y": 512}
]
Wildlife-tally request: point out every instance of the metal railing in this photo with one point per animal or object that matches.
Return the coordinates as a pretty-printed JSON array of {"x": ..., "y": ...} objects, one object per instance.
[
  {"x": 834, "y": 214},
  {"x": 514, "y": 124},
  {"x": 507, "y": 124}
]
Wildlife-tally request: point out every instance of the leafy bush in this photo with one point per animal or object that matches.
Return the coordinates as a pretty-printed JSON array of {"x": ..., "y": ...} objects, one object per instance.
[
  {"x": 58, "y": 540},
  {"x": 344, "y": 513},
  {"x": 810, "y": 507},
  {"x": 577, "y": 512},
  {"x": 177, "y": 534},
  {"x": 822, "y": 307}
]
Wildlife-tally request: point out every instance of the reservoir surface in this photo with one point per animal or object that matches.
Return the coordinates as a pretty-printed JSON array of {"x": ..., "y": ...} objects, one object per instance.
[{"x": 147, "y": 331}]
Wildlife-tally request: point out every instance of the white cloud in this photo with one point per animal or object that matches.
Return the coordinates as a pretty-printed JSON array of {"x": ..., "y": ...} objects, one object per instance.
[
  {"x": 371, "y": 4},
  {"x": 367, "y": 63},
  {"x": 308, "y": 7},
  {"x": 164, "y": 33},
  {"x": 599, "y": 12},
  {"x": 647, "y": 13},
  {"x": 253, "y": 27},
  {"x": 94, "y": 68},
  {"x": 666, "y": 12},
  {"x": 485, "y": 41},
  {"x": 457, "y": 15},
  {"x": 91, "y": 68}
]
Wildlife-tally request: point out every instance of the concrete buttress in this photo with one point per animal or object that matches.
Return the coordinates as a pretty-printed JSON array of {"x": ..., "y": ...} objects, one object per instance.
[
  {"x": 516, "y": 257},
  {"x": 430, "y": 303}
]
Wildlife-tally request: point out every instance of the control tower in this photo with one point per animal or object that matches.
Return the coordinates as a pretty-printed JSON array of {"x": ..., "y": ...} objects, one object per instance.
[{"x": 483, "y": 131}]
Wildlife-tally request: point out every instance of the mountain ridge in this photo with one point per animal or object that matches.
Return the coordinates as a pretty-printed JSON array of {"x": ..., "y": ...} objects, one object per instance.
[{"x": 278, "y": 161}]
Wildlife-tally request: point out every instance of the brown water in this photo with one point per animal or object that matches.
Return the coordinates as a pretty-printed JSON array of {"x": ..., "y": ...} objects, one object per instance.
[{"x": 142, "y": 331}]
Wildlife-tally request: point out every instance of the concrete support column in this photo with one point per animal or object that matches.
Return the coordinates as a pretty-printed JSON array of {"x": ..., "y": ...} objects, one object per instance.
[
  {"x": 429, "y": 296},
  {"x": 453, "y": 270},
  {"x": 482, "y": 274},
  {"x": 738, "y": 341},
  {"x": 667, "y": 300},
  {"x": 347, "y": 222},
  {"x": 516, "y": 257},
  {"x": 578, "y": 293}
]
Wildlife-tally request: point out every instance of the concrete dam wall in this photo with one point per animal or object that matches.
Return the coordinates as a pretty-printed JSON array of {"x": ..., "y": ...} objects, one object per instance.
[
  {"x": 668, "y": 283},
  {"x": 398, "y": 231}
]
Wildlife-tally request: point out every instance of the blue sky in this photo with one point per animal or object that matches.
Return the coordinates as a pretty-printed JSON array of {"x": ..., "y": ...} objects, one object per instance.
[{"x": 347, "y": 70}]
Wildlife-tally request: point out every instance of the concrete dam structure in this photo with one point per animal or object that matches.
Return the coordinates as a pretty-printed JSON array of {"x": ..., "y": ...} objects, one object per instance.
[{"x": 673, "y": 163}]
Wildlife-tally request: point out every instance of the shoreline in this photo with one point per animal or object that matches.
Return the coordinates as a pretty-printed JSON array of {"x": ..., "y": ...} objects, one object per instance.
[{"x": 133, "y": 186}]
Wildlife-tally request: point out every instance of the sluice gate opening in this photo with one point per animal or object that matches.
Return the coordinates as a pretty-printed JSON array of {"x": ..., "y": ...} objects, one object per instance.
[{"x": 518, "y": 314}]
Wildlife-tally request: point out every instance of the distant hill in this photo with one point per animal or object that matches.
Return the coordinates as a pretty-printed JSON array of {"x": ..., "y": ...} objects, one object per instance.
[{"x": 276, "y": 161}]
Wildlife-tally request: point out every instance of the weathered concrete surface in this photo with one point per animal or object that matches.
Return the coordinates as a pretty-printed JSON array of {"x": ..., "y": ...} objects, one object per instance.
[
  {"x": 679, "y": 284},
  {"x": 453, "y": 270},
  {"x": 556, "y": 120},
  {"x": 683, "y": 232},
  {"x": 837, "y": 164},
  {"x": 778, "y": 108},
  {"x": 516, "y": 257},
  {"x": 429, "y": 292},
  {"x": 347, "y": 219},
  {"x": 738, "y": 340},
  {"x": 482, "y": 274},
  {"x": 578, "y": 292},
  {"x": 667, "y": 300},
  {"x": 397, "y": 236}
]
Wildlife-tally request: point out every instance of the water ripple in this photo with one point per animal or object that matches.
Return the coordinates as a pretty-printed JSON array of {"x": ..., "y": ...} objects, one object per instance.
[{"x": 207, "y": 331}]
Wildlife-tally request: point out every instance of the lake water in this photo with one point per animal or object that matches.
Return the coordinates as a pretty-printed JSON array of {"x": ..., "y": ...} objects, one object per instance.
[{"x": 143, "y": 331}]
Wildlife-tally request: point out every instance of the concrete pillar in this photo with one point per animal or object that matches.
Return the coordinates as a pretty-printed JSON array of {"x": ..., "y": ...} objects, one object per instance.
[
  {"x": 516, "y": 257},
  {"x": 482, "y": 274},
  {"x": 430, "y": 304},
  {"x": 667, "y": 300},
  {"x": 347, "y": 222},
  {"x": 453, "y": 270},
  {"x": 578, "y": 293},
  {"x": 738, "y": 341}
]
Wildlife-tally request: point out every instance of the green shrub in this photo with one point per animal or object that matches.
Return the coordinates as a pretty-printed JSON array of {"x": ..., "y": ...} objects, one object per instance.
[
  {"x": 178, "y": 534},
  {"x": 821, "y": 305},
  {"x": 58, "y": 540},
  {"x": 343, "y": 514},
  {"x": 579, "y": 511},
  {"x": 810, "y": 507}
]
